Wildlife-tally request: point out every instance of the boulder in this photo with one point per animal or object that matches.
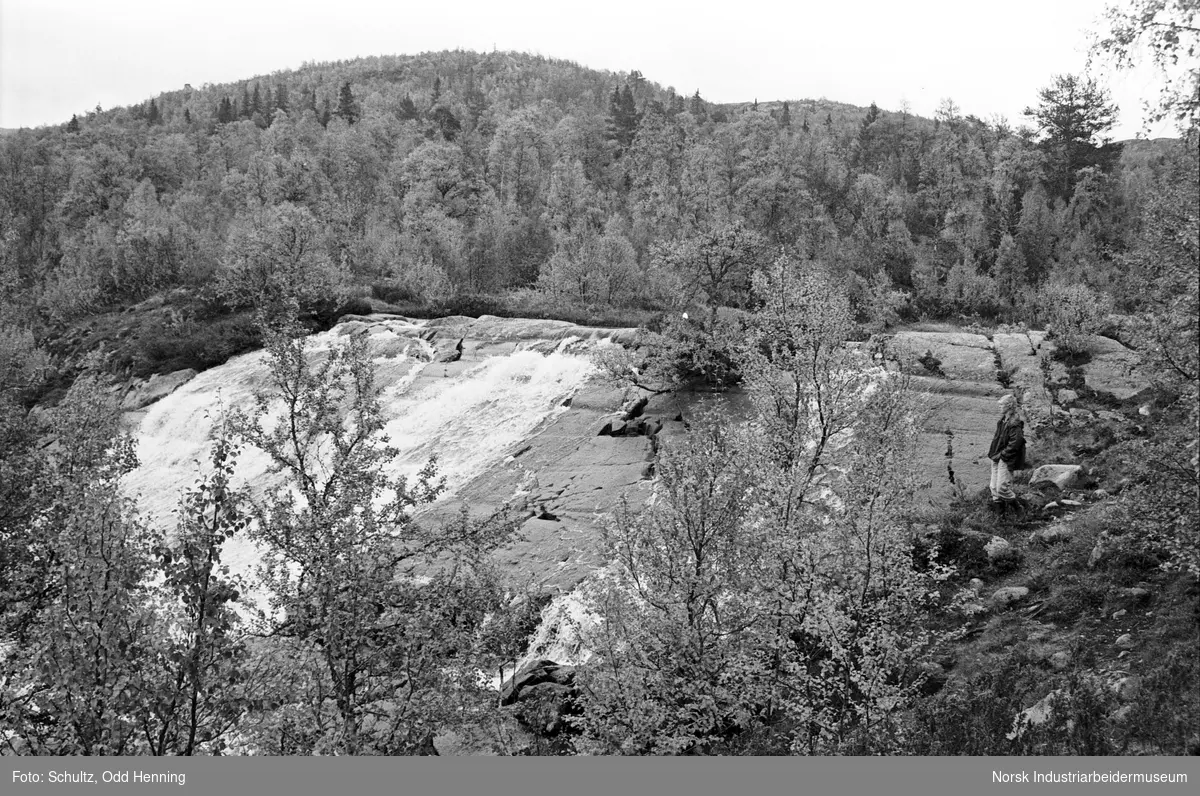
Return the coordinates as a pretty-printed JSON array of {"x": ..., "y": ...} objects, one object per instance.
[
  {"x": 1105, "y": 546},
  {"x": 159, "y": 386},
  {"x": 1128, "y": 688},
  {"x": 1060, "y": 660},
  {"x": 1125, "y": 641},
  {"x": 1137, "y": 594},
  {"x": 544, "y": 692},
  {"x": 454, "y": 354},
  {"x": 998, "y": 548},
  {"x": 1114, "y": 370},
  {"x": 1036, "y": 715},
  {"x": 532, "y": 674},
  {"x": 1009, "y": 595},
  {"x": 1052, "y": 534},
  {"x": 1067, "y": 397},
  {"x": 1063, "y": 476},
  {"x": 542, "y": 707}
]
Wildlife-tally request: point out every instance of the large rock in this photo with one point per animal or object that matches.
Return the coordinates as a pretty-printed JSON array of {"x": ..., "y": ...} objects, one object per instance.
[
  {"x": 1009, "y": 595},
  {"x": 963, "y": 356},
  {"x": 1037, "y": 714},
  {"x": 544, "y": 693},
  {"x": 158, "y": 387},
  {"x": 533, "y": 674},
  {"x": 1063, "y": 476},
  {"x": 998, "y": 549},
  {"x": 1052, "y": 534},
  {"x": 1114, "y": 369}
]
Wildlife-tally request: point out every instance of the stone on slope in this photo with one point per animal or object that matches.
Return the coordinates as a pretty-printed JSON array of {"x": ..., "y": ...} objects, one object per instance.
[
  {"x": 159, "y": 386},
  {"x": 1009, "y": 595},
  {"x": 1063, "y": 476},
  {"x": 964, "y": 356},
  {"x": 1114, "y": 369},
  {"x": 1052, "y": 534}
]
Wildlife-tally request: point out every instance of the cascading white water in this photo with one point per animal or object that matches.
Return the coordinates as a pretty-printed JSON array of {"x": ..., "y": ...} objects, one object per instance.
[{"x": 470, "y": 418}]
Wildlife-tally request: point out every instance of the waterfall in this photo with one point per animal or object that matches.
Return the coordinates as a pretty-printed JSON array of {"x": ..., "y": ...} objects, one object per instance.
[{"x": 470, "y": 413}]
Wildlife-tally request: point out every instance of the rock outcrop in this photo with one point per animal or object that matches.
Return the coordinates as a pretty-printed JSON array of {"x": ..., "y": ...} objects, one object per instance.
[{"x": 974, "y": 371}]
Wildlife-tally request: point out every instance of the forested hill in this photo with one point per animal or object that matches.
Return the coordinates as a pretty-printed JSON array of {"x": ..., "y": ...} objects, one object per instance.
[{"x": 428, "y": 178}]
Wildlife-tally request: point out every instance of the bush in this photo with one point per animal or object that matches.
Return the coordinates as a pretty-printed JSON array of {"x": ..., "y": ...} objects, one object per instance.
[
  {"x": 931, "y": 363},
  {"x": 1072, "y": 314},
  {"x": 164, "y": 348}
]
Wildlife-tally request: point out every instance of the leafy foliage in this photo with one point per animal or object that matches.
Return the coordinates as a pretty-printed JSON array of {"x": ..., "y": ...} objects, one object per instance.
[
  {"x": 765, "y": 599},
  {"x": 1072, "y": 314},
  {"x": 391, "y": 610}
]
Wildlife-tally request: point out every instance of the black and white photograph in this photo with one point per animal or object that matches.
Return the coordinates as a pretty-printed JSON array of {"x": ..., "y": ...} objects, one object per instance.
[{"x": 633, "y": 379}]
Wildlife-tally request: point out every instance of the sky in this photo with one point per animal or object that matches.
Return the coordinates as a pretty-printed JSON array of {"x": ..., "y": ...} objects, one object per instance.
[{"x": 59, "y": 57}]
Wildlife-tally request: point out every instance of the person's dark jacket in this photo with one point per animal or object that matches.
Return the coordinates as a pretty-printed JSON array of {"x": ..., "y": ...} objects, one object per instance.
[{"x": 1009, "y": 444}]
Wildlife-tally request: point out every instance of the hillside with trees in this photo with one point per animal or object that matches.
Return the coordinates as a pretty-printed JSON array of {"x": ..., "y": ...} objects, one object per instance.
[{"x": 552, "y": 189}]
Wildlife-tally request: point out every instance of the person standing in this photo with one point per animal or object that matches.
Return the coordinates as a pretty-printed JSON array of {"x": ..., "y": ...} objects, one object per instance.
[{"x": 1007, "y": 451}]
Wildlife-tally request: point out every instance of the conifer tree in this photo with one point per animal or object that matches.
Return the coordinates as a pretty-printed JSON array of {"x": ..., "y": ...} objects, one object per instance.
[
  {"x": 408, "y": 109},
  {"x": 1073, "y": 113},
  {"x": 623, "y": 117},
  {"x": 347, "y": 105}
]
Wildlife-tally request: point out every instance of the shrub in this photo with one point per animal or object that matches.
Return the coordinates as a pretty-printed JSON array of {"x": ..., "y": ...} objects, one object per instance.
[
  {"x": 931, "y": 363},
  {"x": 164, "y": 348},
  {"x": 1072, "y": 313}
]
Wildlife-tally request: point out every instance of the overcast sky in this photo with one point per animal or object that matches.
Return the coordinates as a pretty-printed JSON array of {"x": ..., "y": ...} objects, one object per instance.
[{"x": 59, "y": 57}]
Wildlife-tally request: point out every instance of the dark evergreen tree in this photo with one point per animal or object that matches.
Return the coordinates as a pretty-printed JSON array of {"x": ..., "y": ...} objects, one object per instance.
[
  {"x": 73, "y": 125},
  {"x": 785, "y": 119},
  {"x": 446, "y": 122},
  {"x": 326, "y": 113},
  {"x": 697, "y": 107},
  {"x": 152, "y": 115},
  {"x": 281, "y": 97},
  {"x": 256, "y": 102},
  {"x": 347, "y": 105},
  {"x": 247, "y": 105},
  {"x": 623, "y": 117},
  {"x": 408, "y": 109}
]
